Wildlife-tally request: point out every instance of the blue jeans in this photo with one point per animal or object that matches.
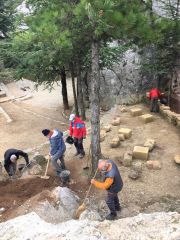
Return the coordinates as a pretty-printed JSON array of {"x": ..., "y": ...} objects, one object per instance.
[{"x": 58, "y": 167}]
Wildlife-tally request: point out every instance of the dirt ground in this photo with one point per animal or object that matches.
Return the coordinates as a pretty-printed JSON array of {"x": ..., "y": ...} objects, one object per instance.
[{"x": 155, "y": 190}]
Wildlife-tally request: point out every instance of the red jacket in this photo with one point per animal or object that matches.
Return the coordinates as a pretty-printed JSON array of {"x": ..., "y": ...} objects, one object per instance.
[
  {"x": 77, "y": 128},
  {"x": 154, "y": 93}
]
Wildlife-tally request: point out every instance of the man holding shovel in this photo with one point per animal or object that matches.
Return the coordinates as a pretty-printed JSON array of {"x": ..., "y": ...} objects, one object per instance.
[
  {"x": 57, "y": 150},
  {"x": 10, "y": 160},
  {"x": 112, "y": 183}
]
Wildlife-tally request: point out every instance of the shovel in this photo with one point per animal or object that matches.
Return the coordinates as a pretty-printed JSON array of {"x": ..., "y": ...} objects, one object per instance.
[
  {"x": 82, "y": 207},
  {"x": 45, "y": 175}
]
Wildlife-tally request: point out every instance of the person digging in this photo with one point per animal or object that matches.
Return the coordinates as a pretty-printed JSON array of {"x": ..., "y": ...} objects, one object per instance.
[
  {"x": 10, "y": 160},
  {"x": 112, "y": 184},
  {"x": 57, "y": 149}
]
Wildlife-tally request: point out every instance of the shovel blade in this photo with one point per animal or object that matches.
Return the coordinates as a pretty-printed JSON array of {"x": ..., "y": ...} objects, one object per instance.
[{"x": 45, "y": 177}]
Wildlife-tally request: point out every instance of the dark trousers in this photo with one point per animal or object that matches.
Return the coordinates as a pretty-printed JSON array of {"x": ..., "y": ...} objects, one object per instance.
[
  {"x": 113, "y": 202},
  {"x": 154, "y": 105},
  {"x": 12, "y": 169},
  {"x": 78, "y": 143}
]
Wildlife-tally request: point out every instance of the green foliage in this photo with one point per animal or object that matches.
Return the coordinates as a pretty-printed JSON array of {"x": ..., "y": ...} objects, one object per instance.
[{"x": 7, "y": 15}]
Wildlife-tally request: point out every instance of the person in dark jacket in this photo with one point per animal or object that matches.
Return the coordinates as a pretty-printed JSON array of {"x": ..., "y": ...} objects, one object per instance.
[
  {"x": 10, "y": 160},
  {"x": 77, "y": 130},
  {"x": 112, "y": 184},
  {"x": 57, "y": 149}
]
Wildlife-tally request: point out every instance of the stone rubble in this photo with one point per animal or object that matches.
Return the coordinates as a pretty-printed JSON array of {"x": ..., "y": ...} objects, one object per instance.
[
  {"x": 177, "y": 158},
  {"x": 153, "y": 164},
  {"x": 150, "y": 143}
]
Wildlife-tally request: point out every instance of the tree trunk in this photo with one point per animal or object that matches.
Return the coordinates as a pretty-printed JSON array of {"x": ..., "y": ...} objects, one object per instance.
[
  {"x": 85, "y": 90},
  {"x": 74, "y": 90},
  {"x": 95, "y": 106},
  {"x": 80, "y": 93},
  {"x": 64, "y": 89}
]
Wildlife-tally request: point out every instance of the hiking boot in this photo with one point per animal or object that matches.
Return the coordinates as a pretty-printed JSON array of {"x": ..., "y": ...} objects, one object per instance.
[
  {"x": 111, "y": 216},
  {"x": 81, "y": 155}
]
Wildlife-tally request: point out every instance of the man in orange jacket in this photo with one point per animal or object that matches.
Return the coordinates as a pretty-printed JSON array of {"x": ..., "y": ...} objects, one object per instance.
[
  {"x": 112, "y": 184},
  {"x": 77, "y": 130}
]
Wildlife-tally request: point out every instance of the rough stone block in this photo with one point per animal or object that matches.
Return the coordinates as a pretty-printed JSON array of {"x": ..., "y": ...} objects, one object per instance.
[
  {"x": 106, "y": 128},
  {"x": 150, "y": 143},
  {"x": 116, "y": 121},
  {"x": 123, "y": 109},
  {"x": 40, "y": 159},
  {"x": 102, "y": 135},
  {"x": 127, "y": 159},
  {"x": 165, "y": 107},
  {"x": 134, "y": 174},
  {"x": 126, "y": 131},
  {"x": 137, "y": 166},
  {"x": 153, "y": 164},
  {"x": 136, "y": 112},
  {"x": 146, "y": 118},
  {"x": 121, "y": 137},
  {"x": 2, "y": 94},
  {"x": 115, "y": 142},
  {"x": 140, "y": 152},
  {"x": 177, "y": 158},
  {"x": 35, "y": 170}
]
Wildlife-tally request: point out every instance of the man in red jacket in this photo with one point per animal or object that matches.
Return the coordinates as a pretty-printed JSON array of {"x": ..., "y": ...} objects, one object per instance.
[
  {"x": 78, "y": 132},
  {"x": 154, "y": 95}
]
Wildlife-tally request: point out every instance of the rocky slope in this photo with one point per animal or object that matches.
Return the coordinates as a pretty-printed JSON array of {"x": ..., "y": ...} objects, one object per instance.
[{"x": 157, "y": 226}]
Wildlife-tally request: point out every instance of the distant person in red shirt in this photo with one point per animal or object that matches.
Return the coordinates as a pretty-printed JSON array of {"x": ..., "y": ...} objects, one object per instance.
[
  {"x": 154, "y": 95},
  {"x": 78, "y": 132}
]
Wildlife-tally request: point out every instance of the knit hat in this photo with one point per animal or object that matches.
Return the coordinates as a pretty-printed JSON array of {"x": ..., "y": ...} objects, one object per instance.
[{"x": 45, "y": 132}]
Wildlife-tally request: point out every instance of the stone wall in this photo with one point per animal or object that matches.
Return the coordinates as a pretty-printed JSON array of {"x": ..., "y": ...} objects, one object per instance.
[{"x": 171, "y": 116}]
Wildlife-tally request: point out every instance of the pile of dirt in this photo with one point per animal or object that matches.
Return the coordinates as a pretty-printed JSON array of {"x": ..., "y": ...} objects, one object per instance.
[{"x": 15, "y": 193}]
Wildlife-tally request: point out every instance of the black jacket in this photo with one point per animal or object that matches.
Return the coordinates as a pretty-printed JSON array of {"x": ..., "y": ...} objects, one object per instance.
[{"x": 16, "y": 152}]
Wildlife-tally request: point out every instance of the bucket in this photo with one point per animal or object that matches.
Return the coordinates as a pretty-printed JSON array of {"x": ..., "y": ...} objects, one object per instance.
[{"x": 65, "y": 176}]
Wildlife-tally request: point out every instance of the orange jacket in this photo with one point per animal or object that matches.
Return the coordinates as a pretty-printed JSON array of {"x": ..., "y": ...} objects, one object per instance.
[{"x": 104, "y": 185}]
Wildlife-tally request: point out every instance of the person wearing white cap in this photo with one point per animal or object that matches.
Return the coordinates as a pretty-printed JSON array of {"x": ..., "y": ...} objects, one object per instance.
[
  {"x": 10, "y": 160},
  {"x": 77, "y": 130}
]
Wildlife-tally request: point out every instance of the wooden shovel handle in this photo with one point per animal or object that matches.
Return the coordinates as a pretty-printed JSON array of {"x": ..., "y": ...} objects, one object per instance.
[
  {"x": 90, "y": 187},
  {"x": 47, "y": 166}
]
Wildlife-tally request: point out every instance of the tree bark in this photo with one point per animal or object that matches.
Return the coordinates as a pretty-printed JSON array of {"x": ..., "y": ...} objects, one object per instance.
[
  {"x": 80, "y": 93},
  {"x": 74, "y": 90},
  {"x": 95, "y": 106},
  {"x": 85, "y": 90},
  {"x": 64, "y": 89}
]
